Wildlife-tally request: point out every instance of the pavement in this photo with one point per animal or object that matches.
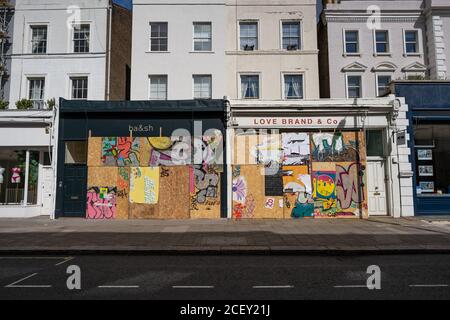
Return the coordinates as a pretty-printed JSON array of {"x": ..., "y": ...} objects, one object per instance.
[{"x": 309, "y": 236}]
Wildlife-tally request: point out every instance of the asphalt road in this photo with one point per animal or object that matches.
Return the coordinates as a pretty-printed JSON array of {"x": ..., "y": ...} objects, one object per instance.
[{"x": 226, "y": 277}]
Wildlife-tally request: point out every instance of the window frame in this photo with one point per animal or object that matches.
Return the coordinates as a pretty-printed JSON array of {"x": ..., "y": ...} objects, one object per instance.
[
  {"x": 250, "y": 74},
  {"x": 258, "y": 36},
  {"x": 418, "y": 51},
  {"x": 388, "y": 42},
  {"x": 150, "y": 86},
  {"x": 210, "y": 86},
  {"x": 347, "y": 87},
  {"x": 358, "y": 52},
  {"x": 300, "y": 35},
  {"x": 158, "y": 38},
  {"x": 40, "y": 102},
  {"x": 283, "y": 85},
  {"x": 72, "y": 40},
  {"x": 31, "y": 41},
  {"x": 210, "y": 35},
  {"x": 71, "y": 87},
  {"x": 377, "y": 84}
]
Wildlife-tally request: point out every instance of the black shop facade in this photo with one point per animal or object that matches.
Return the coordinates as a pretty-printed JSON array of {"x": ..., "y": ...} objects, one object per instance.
[{"x": 141, "y": 160}]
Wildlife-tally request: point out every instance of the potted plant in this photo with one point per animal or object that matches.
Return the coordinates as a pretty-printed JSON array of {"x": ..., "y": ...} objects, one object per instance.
[{"x": 24, "y": 104}]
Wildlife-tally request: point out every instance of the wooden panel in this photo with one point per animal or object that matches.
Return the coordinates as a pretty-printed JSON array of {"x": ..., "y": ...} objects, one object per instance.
[
  {"x": 123, "y": 193},
  {"x": 94, "y": 158},
  {"x": 205, "y": 192},
  {"x": 102, "y": 176},
  {"x": 174, "y": 196}
]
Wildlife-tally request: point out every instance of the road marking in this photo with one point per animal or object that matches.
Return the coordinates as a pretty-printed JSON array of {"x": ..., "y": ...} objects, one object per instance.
[
  {"x": 118, "y": 287},
  {"x": 192, "y": 287},
  {"x": 351, "y": 286},
  {"x": 14, "y": 284},
  {"x": 273, "y": 287},
  {"x": 428, "y": 285},
  {"x": 32, "y": 258},
  {"x": 64, "y": 261}
]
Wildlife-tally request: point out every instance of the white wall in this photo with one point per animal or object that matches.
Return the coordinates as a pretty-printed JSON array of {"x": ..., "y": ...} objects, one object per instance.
[
  {"x": 180, "y": 63},
  {"x": 59, "y": 63}
]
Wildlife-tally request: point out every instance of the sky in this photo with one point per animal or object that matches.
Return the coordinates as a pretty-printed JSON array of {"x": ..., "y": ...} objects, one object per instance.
[{"x": 125, "y": 3}]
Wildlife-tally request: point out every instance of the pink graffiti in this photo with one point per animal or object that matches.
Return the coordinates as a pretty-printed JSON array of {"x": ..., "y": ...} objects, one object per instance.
[
  {"x": 347, "y": 186},
  {"x": 98, "y": 208}
]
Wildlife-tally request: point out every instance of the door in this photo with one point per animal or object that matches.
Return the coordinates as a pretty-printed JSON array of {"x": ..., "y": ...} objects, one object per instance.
[
  {"x": 47, "y": 190},
  {"x": 376, "y": 189},
  {"x": 74, "y": 191}
]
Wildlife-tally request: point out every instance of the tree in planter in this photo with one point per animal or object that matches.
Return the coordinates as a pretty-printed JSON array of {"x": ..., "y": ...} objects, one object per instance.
[
  {"x": 24, "y": 104},
  {"x": 4, "y": 105},
  {"x": 51, "y": 104}
]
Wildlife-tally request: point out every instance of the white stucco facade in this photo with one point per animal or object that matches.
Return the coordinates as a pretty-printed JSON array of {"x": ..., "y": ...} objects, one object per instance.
[
  {"x": 59, "y": 63},
  {"x": 367, "y": 17}
]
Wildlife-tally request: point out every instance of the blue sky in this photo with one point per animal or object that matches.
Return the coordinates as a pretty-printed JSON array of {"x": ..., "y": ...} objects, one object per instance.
[{"x": 125, "y": 3}]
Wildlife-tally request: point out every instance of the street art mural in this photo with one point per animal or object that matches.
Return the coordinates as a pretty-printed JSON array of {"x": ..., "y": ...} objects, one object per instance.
[
  {"x": 117, "y": 151},
  {"x": 243, "y": 202},
  {"x": 324, "y": 189},
  {"x": 144, "y": 185},
  {"x": 205, "y": 190},
  {"x": 101, "y": 203},
  {"x": 349, "y": 193},
  {"x": 335, "y": 147},
  {"x": 268, "y": 150},
  {"x": 297, "y": 187},
  {"x": 166, "y": 151},
  {"x": 296, "y": 148}
]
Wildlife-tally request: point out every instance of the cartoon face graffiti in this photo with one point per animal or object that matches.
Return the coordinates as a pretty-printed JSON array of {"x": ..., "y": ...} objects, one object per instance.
[{"x": 325, "y": 186}]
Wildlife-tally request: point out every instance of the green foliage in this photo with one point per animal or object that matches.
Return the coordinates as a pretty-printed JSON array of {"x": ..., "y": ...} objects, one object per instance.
[
  {"x": 51, "y": 104},
  {"x": 34, "y": 165},
  {"x": 24, "y": 104},
  {"x": 4, "y": 105}
]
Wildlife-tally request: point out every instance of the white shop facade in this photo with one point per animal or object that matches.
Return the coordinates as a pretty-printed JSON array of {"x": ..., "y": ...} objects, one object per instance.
[
  {"x": 26, "y": 171},
  {"x": 353, "y": 154}
]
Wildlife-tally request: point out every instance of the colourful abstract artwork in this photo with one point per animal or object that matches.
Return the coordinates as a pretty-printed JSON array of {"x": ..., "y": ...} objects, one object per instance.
[
  {"x": 349, "y": 193},
  {"x": 335, "y": 147},
  {"x": 268, "y": 151},
  {"x": 101, "y": 203},
  {"x": 120, "y": 152},
  {"x": 144, "y": 185},
  {"x": 324, "y": 189}
]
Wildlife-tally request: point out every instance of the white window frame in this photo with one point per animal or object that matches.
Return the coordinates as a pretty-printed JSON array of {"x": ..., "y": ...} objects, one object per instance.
[
  {"x": 150, "y": 86},
  {"x": 28, "y": 79},
  {"x": 283, "y": 85},
  {"x": 419, "y": 43},
  {"x": 353, "y": 74},
  {"x": 344, "y": 41},
  {"x": 240, "y": 74},
  {"x": 150, "y": 37},
  {"x": 72, "y": 36},
  {"x": 193, "y": 36},
  {"x": 382, "y": 74},
  {"x": 210, "y": 87},
  {"x": 300, "y": 23},
  {"x": 257, "y": 34},
  {"x": 375, "y": 52},
  {"x": 30, "y": 36},
  {"x": 81, "y": 75}
]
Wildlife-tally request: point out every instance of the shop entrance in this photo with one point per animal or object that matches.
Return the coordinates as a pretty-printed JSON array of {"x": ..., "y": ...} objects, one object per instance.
[{"x": 376, "y": 188}]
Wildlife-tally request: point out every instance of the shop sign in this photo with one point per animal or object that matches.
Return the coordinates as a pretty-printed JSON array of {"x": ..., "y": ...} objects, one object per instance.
[{"x": 298, "y": 122}]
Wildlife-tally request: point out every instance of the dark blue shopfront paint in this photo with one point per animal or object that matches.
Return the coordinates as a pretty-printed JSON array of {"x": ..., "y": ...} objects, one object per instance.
[{"x": 428, "y": 102}]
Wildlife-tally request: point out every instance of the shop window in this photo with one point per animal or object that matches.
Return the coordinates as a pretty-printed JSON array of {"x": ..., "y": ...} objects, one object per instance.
[
  {"x": 76, "y": 152},
  {"x": 374, "y": 142},
  {"x": 432, "y": 154},
  {"x": 13, "y": 169}
]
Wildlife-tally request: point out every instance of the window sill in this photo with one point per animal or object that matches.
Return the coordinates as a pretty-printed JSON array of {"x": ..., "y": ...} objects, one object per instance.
[
  {"x": 382, "y": 54},
  {"x": 418, "y": 54},
  {"x": 158, "y": 52},
  {"x": 202, "y": 52},
  {"x": 352, "y": 54}
]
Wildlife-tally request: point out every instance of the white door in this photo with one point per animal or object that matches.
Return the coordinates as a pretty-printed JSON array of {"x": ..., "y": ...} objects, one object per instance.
[
  {"x": 376, "y": 188},
  {"x": 47, "y": 190}
]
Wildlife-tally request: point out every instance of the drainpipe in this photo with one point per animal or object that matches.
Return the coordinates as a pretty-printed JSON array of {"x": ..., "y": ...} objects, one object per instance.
[
  {"x": 229, "y": 150},
  {"x": 108, "y": 53}
]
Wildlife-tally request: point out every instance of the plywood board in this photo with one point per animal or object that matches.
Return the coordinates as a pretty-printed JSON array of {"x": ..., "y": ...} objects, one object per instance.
[
  {"x": 102, "y": 176},
  {"x": 94, "y": 157},
  {"x": 174, "y": 197},
  {"x": 205, "y": 191},
  {"x": 252, "y": 149},
  {"x": 123, "y": 193},
  {"x": 249, "y": 200}
]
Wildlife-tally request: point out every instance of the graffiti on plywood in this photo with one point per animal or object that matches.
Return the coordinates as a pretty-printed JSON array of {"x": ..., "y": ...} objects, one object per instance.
[
  {"x": 101, "y": 203},
  {"x": 337, "y": 147},
  {"x": 297, "y": 187},
  {"x": 296, "y": 148},
  {"x": 144, "y": 185},
  {"x": 324, "y": 189},
  {"x": 349, "y": 194},
  {"x": 268, "y": 151},
  {"x": 121, "y": 152},
  {"x": 210, "y": 147},
  {"x": 205, "y": 181},
  {"x": 168, "y": 151}
]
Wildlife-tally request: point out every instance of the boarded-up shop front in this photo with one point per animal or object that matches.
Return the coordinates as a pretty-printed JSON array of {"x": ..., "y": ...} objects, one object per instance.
[
  {"x": 142, "y": 160},
  {"x": 292, "y": 161}
]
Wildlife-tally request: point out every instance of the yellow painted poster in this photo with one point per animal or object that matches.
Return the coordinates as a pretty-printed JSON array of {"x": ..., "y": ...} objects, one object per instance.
[{"x": 144, "y": 185}]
